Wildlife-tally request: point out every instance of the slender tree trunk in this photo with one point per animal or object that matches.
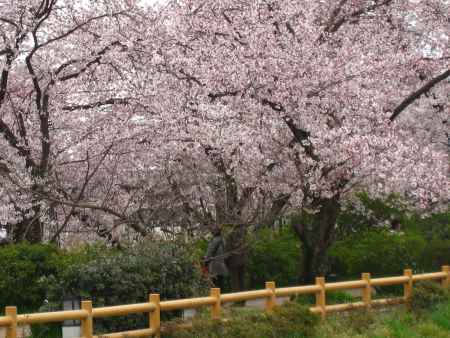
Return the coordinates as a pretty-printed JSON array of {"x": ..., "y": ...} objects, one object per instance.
[{"x": 317, "y": 236}]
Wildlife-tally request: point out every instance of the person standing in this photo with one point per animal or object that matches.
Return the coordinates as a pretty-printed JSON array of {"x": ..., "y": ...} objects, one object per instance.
[{"x": 215, "y": 258}]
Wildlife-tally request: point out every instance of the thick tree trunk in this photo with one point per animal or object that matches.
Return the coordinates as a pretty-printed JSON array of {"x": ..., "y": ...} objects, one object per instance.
[
  {"x": 29, "y": 229},
  {"x": 235, "y": 248},
  {"x": 237, "y": 277},
  {"x": 317, "y": 236},
  {"x": 314, "y": 261}
]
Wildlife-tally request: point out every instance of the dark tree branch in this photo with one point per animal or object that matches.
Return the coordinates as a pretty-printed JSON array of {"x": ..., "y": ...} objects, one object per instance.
[
  {"x": 12, "y": 140},
  {"x": 10, "y": 22},
  {"x": 336, "y": 24},
  {"x": 4, "y": 77},
  {"x": 334, "y": 14},
  {"x": 215, "y": 96},
  {"x": 88, "y": 65},
  {"x": 301, "y": 136},
  {"x": 418, "y": 93}
]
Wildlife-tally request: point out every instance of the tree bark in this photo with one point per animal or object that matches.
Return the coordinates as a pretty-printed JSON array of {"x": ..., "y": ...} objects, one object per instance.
[
  {"x": 317, "y": 236},
  {"x": 29, "y": 229},
  {"x": 235, "y": 248}
]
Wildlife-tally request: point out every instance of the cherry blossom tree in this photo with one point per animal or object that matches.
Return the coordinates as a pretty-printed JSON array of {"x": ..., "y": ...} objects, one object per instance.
[
  {"x": 64, "y": 72},
  {"x": 357, "y": 91}
]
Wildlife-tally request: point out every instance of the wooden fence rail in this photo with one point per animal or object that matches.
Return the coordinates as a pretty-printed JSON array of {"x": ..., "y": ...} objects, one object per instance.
[{"x": 154, "y": 306}]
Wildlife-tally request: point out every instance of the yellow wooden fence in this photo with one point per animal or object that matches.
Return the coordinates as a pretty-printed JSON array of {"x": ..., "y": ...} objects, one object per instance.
[{"x": 215, "y": 300}]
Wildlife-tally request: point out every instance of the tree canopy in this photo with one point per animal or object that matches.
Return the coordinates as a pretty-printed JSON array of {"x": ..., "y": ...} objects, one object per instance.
[{"x": 191, "y": 112}]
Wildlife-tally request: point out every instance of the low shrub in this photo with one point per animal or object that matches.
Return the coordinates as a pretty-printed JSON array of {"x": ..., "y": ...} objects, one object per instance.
[
  {"x": 427, "y": 295},
  {"x": 359, "y": 321},
  {"x": 290, "y": 320},
  {"x": 112, "y": 277},
  {"x": 244, "y": 322},
  {"x": 294, "y": 320}
]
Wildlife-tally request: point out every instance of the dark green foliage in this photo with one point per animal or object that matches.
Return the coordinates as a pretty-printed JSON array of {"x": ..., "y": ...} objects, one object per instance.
[
  {"x": 436, "y": 254},
  {"x": 433, "y": 226},
  {"x": 273, "y": 256},
  {"x": 427, "y": 295},
  {"x": 373, "y": 212},
  {"x": 339, "y": 297},
  {"x": 46, "y": 331},
  {"x": 308, "y": 299},
  {"x": 22, "y": 268},
  {"x": 111, "y": 277},
  {"x": 332, "y": 297},
  {"x": 378, "y": 252}
]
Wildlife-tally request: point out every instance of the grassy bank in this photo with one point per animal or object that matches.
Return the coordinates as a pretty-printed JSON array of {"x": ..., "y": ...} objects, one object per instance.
[
  {"x": 392, "y": 323},
  {"x": 428, "y": 315}
]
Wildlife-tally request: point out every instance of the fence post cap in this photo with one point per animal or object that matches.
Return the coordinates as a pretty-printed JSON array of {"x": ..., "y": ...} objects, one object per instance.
[
  {"x": 154, "y": 297},
  {"x": 270, "y": 285},
  {"x": 320, "y": 280},
  {"x": 215, "y": 292}
]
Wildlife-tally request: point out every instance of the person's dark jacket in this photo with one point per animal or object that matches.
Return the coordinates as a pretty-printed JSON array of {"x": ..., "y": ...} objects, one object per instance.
[{"x": 215, "y": 257}]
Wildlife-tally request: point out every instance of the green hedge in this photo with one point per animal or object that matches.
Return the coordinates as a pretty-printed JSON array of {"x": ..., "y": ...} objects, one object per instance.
[
  {"x": 436, "y": 254},
  {"x": 378, "y": 252},
  {"x": 22, "y": 268},
  {"x": 273, "y": 256}
]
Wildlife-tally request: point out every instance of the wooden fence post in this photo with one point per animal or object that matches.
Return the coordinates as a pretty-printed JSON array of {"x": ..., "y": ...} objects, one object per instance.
[
  {"x": 446, "y": 280},
  {"x": 87, "y": 324},
  {"x": 11, "y": 312},
  {"x": 155, "y": 315},
  {"x": 320, "y": 296},
  {"x": 271, "y": 301},
  {"x": 216, "y": 307},
  {"x": 367, "y": 291},
  {"x": 407, "y": 287}
]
